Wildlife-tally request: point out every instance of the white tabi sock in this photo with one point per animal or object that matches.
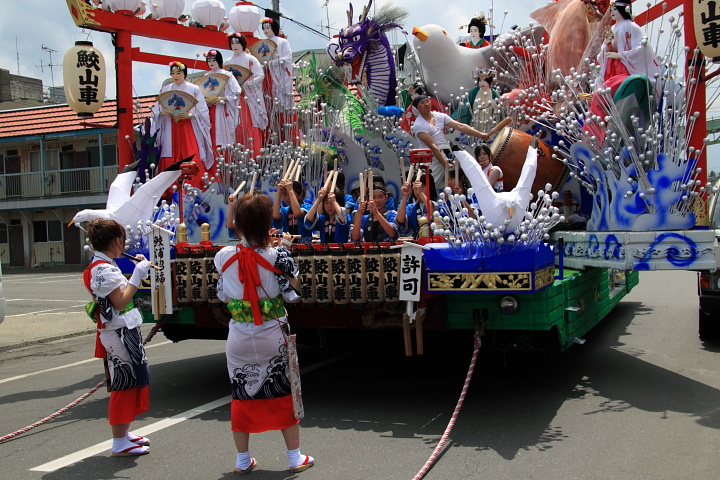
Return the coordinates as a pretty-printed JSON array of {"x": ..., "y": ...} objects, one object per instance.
[
  {"x": 243, "y": 461},
  {"x": 295, "y": 458}
]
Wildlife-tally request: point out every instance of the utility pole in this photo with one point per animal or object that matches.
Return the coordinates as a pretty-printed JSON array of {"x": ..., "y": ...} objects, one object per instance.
[{"x": 276, "y": 5}]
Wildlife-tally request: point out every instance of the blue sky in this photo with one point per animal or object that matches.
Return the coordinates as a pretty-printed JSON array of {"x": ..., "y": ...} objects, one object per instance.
[{"x": 27, "y": 26}]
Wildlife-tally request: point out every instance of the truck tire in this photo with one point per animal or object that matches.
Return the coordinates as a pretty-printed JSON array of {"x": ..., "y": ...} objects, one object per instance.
[{"x": 708, "y": 328}]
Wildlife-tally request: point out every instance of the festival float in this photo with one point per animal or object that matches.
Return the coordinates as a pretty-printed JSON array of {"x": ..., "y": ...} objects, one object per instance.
[{"x": 604, "y": 167}]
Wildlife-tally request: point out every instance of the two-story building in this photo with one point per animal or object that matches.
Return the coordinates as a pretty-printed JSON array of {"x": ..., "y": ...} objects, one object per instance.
[{"x": 53, "y": 164}]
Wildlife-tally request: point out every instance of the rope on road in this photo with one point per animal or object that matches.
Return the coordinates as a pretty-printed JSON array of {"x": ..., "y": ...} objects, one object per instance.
[
  {"x": 424, "y": 470},
  {"x": 50, "y": 417}
]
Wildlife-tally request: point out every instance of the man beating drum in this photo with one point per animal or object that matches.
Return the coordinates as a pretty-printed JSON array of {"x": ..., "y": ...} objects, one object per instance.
[{"x": 429, "y": 129}]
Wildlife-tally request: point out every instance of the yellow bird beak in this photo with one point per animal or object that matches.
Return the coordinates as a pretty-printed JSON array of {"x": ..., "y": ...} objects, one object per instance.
[{"x": 422, "y": 36}]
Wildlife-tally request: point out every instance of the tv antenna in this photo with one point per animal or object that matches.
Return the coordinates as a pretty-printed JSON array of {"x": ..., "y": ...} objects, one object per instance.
[{"x": 49, "y": 65}]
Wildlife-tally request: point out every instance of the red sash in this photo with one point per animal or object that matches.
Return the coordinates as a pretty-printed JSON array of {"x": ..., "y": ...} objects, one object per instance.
[
  {"x": 100, "y": 351},
  {"x": 248, "y": 274}
]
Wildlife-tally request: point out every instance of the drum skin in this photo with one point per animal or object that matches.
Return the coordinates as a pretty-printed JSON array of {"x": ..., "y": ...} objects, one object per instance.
[{"x": 509, "y": 150}]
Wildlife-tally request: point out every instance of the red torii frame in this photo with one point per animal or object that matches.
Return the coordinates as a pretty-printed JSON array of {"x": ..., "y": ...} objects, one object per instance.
[{"x": 124, "y": 27}]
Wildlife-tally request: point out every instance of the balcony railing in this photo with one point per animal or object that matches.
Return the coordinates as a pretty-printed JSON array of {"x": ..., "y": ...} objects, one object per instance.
[{"x": 76, "y": 181}]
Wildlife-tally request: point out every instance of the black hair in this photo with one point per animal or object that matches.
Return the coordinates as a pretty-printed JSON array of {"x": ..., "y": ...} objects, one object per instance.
[
  {"x": 480, "y": 147},
  {"x": 240, "y": 36},
  {"x": 102, "y": 233},
  {"x": 217, "y": 56},
  {"x": 298, "y": 188},
  {"x": 624, "y": 11},
  {"x": 478, "y": 22},
  {"x": 179, "y": 65},
  {"x": 418, "y": 87},
  {"x": 274, "y": 25},
  {"x": 416, "y": 101}
]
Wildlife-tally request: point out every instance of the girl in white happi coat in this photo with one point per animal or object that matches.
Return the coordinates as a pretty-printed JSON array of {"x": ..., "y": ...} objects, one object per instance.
[
  {"x": 253, "y": 114},
  {"x": 223, "y": 107},
  {"x": 119, "y": 340},
  {"x": 190, "y": 134}
]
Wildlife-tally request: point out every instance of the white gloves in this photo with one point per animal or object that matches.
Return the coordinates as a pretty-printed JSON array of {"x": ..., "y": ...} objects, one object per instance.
[{"x": 141, "y": 272}]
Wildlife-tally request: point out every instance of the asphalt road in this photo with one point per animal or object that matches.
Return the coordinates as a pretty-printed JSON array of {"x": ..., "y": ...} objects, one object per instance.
[{"x": 640, "y": 400}]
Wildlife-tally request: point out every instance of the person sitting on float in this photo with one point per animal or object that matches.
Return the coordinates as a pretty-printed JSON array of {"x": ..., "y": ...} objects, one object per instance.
[
  {"x": 328, "y": 217},
  {"x": 429, "y": 129},
  {"x": 416, "y": 89},
  {"x": 476, "y": 29},
  {"x": 187, "y": 133},
  {"x": 494, "y": 174},
  {"x": 413, "y": 219},
  {"x": 372, "y": 223},
  {"x": 222, "y": 108},
  {"x": 459, "y": 185},
  {"x": 624, "y": 53},
  {"x": 288, "y": 215}
]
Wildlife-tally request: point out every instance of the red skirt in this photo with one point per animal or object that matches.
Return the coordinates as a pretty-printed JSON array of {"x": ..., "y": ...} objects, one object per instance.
[
  {"x": 125, "y": 405},
  {"x": 256, "y": 416},
  {"x": 184, "y": 144}
]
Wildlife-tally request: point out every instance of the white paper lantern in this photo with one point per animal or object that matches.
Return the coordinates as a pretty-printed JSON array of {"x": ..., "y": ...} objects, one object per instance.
[
  {"x": 244, "y": 18},
  {"x": 167, "y": 10},
  {"x": 84, "y": 76},
  {"x": 127, "y": 7},
  {"x": 210, "y": 13}
]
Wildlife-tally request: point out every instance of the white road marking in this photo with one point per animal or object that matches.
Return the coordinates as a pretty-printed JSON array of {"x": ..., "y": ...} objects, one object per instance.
[
  {"x": 50, "y": 311},
  {"x": 147, "y": 430},
  {"x": 162, "y": 424},
  {"x": 20, "y": 377},
  {"x": 37, "y": 300}
]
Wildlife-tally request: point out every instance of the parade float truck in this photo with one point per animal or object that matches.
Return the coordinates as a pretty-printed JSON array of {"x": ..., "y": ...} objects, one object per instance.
[{"x": 599, "y": 199}]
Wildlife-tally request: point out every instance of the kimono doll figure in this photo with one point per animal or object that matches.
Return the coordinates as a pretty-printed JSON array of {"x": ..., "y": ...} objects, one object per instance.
[
  {"x": 623, "y": 54},
  {"x": 222, "y": 106},
  {"x": 184, "y": 134},
  {"x": 253, "y": 118},
  {"x": 476, "y": 29},
  {"x": 278, "y": 82}
]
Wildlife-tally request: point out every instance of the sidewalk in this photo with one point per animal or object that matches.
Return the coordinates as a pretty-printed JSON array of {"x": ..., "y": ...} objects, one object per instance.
[
  {"x": 20, "y": 331},
  {"x": 17, "y": 332}
]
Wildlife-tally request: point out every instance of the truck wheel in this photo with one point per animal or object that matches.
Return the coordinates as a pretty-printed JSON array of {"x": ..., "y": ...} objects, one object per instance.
[{"x": 708, "y": 328}]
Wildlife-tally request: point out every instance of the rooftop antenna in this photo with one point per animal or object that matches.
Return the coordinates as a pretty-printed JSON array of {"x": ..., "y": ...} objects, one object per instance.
[
  {"x": 17, "y": 54},
  {"x": 51, "y": 65}
]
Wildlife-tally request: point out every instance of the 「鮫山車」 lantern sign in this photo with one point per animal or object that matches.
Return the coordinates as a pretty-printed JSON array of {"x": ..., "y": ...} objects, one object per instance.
[{"x": 84, "y": 78}]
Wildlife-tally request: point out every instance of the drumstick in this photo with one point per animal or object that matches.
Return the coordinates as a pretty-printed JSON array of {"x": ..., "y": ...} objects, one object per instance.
[
  {"x": 328, "y": 179},
  {"x": 334, "y": 181},
  {"x": 362, "y": 187},
  {"x": 282, "y": 177},
  {"x": 135, "y": 259},
  {"x": 370, "y": 182},
  {"x": 289, "y": 169},
  {"x": 419, "y": 174},
  {"x": 254, "y": 179},
  {"x": 402, "y": 169},
  {"x": 410, "y": 173},
  {"x": 503, "y": 123},
  {"x": 237, "y": 190},
  {"x": 298, "y": 171}
]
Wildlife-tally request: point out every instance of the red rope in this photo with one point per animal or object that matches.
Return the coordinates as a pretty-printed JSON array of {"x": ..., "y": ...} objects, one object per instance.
[
  {"x": 423, "y": 471},
  {"x": 50, "y": 417}
]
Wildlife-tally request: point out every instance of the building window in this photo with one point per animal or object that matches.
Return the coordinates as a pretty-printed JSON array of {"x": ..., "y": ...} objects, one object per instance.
[
  {"x": 109, "y": 155},
  {"x": 47, "y": 231},
  {"x": 3, "y": 233},
  {"x": 52, "y": 160}
]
